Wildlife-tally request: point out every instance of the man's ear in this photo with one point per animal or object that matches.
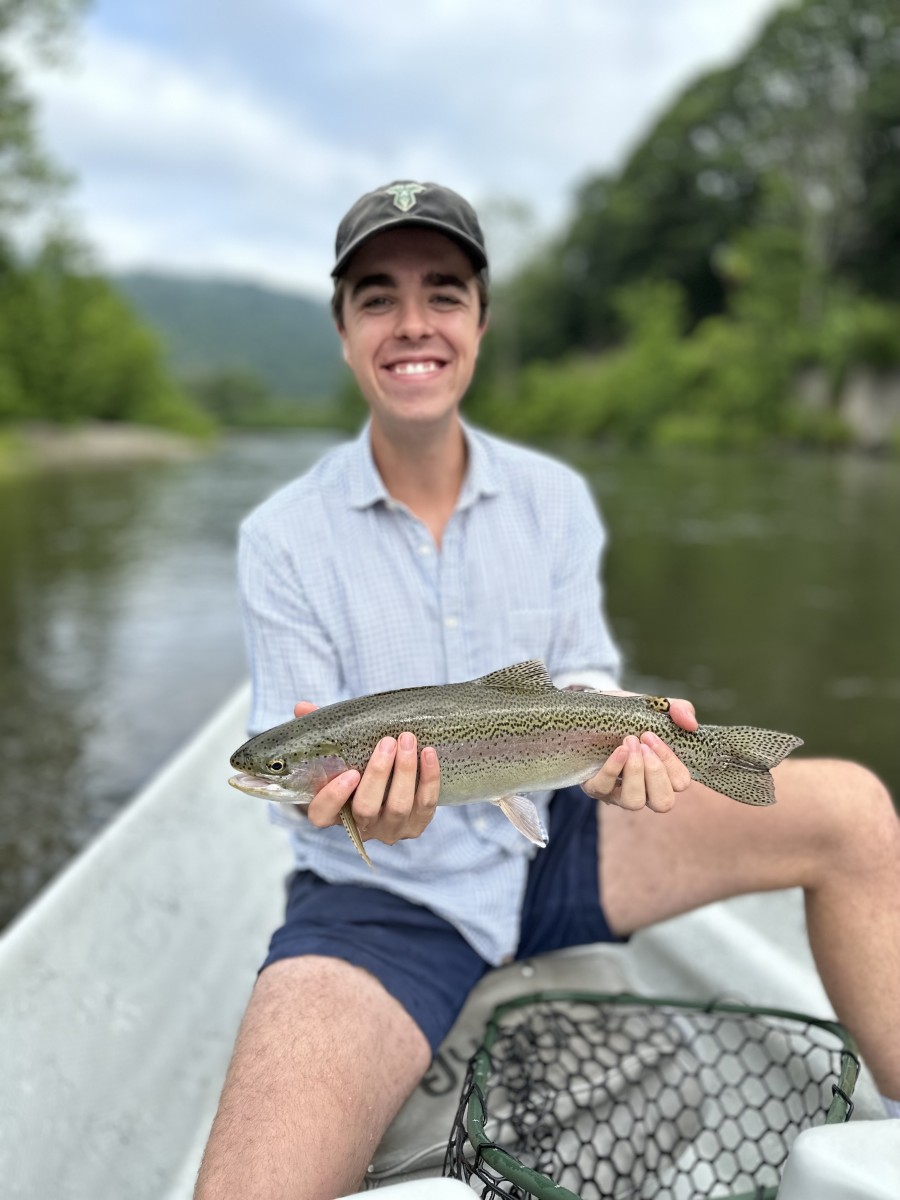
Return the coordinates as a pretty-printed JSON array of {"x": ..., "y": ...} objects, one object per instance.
[
  {"x": 482, "y": 330},
  {"x": 342, "y": 334}
]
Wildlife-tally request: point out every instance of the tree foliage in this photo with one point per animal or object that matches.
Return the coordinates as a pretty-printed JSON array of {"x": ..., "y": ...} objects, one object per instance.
[
  {"x": 70, "y": 347},
  {"x": 26, "y": 175},
  {"x": 754, "y": 231},
  {"x": 802, "y": 132},
  {"x": 729, "y": 382}
]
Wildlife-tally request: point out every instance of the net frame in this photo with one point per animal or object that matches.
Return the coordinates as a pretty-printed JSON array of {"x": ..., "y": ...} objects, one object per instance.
[{"x": 472, "y": 1114}]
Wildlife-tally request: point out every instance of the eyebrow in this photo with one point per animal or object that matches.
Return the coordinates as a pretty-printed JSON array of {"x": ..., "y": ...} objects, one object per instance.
[
  {"x": 432, "y": 279},
  {"x": 370, "y": 281},
  {"x": 438, "y": 279}
]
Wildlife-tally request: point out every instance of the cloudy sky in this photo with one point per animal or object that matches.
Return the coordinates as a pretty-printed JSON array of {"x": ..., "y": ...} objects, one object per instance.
[{"x": 229, "y": 136}]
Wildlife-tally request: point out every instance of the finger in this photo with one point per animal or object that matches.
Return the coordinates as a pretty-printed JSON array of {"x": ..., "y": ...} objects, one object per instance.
[
  {"x": 683, "y": 714},
  {"x": 679, "y": 775},
  {"x": 658, "y": 787},
  {"x": 427, "y": 793},
  {"x": 401, "y": 790},
  {"x": 328, "y": 801},
  {"x": 373, "y": 786},
  {"x": 633, "y": 794},
  {"x": 303, "y": 707},
  {"x": 602, "y": 785}
]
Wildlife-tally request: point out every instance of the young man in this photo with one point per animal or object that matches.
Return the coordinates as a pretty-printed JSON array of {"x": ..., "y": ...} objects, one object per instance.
[{"x": 423, "y": 553}]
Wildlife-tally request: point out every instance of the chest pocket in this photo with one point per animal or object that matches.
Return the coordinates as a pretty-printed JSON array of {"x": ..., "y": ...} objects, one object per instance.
[{"x": 530, "y": 631}]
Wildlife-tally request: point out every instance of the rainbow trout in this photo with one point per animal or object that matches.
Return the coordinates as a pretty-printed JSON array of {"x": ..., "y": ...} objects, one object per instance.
[{"x": 506, "y": 733}]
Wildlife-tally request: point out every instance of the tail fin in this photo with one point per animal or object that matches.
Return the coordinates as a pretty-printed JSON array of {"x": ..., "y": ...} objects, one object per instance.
[{"x": 746, "y": 756}]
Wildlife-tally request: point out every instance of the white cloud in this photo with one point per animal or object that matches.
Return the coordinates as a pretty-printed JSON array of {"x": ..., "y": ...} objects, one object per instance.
[
  {"x": 175, "y": 169},
  {"x": 233, "y": 141}
]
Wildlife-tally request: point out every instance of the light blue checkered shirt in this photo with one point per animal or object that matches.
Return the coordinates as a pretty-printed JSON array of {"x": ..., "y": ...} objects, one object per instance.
[{"x": 344, "y": 592}]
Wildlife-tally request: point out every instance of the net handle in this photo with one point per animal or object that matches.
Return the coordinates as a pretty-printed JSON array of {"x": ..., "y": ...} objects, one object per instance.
[{"x": 495, "y": 1156}]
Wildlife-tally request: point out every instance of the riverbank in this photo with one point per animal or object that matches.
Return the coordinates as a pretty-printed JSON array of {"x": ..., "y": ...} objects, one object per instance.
[{"x": 37, "y": 446}]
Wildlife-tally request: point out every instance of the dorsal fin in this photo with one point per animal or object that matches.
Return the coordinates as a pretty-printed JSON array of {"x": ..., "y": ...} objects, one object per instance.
[{"x": 531, "y": 676}]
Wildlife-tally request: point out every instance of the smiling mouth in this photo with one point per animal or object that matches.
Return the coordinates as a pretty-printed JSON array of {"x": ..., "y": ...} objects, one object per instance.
[{"x": 418, "y": 368}]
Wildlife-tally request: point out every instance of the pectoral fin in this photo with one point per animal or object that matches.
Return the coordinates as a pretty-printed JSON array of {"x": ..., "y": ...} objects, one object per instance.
[
  {"x": 350, "y": 825},
  {"x": 521, "y": 812}
]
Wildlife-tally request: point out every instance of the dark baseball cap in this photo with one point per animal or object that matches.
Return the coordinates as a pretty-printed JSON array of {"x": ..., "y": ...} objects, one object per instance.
[{"x": 405, "y": 203}]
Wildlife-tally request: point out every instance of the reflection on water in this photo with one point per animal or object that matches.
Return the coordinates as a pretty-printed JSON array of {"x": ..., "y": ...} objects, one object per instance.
[
  {"x": 765, "y": 589},
  {"x": 119, "y": 634}
]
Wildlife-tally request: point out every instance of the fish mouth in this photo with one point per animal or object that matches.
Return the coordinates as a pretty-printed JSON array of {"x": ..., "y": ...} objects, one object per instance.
[
  {"x": 266, "y": 789},
  {"x": 297, "y": 787}
]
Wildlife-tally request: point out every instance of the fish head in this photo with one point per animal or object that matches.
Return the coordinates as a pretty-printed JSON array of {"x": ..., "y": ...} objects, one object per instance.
[{"x": 288, "y": 770}]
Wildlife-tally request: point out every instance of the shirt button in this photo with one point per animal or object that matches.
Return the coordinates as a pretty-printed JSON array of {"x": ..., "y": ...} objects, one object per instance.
[
  {"x": 480, "y": 824},
  {"x": 424, "y": 548},
  {"x": 451, "y": 622}
]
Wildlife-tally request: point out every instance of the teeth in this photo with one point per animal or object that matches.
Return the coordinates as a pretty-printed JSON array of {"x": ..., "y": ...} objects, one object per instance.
[{"x": 414, "y": 368}]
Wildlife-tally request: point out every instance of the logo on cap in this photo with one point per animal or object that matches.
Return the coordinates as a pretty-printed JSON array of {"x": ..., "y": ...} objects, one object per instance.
[{"x": 405, "y": 195}]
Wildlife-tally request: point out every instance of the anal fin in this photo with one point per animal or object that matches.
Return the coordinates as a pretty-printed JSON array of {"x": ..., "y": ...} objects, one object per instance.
[
  {"x": 349, "y": 823},
  {"x": 520, "y": 811}
]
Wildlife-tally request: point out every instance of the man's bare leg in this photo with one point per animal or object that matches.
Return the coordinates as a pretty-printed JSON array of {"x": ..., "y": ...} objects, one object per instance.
[
  {"x": 324, "y": 1059},
  {"x": 833, "y": 831}
]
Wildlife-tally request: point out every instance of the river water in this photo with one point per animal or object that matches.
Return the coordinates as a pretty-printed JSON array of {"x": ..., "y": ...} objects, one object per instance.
[{"x": 766, "y": 589}]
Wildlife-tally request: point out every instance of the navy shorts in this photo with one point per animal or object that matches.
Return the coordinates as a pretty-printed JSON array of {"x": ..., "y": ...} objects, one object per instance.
[{"x": 421, "y": 959}]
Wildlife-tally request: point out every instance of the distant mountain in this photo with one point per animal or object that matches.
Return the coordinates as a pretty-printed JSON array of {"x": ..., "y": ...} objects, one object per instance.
[{"x": 210, "y": 325}]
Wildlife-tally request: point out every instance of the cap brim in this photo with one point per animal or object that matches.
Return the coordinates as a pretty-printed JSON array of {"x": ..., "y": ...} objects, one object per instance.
[{"x": 469, "y": 245}]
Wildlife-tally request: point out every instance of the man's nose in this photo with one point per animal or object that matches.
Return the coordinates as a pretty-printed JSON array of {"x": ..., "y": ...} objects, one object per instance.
[{"x": 413, "y": 320}]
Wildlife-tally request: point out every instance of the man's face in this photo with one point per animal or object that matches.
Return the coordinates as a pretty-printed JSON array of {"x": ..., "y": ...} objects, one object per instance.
[{"x": 411, "y": 325}]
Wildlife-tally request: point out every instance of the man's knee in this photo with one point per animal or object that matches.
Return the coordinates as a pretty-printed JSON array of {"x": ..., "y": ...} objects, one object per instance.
[
  {"x": 857, "y": 819},
  {"x": 878, "y": 823}
]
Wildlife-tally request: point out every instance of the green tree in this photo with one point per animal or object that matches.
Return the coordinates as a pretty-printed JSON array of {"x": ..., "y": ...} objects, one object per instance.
[
  {"x": 72, "y": 349},
  {"x": 871, "y": 258},
  {"x": 25, "y": 172},
  {"x": 801, "y": 133},
  {"x": 234, "y": 397}
]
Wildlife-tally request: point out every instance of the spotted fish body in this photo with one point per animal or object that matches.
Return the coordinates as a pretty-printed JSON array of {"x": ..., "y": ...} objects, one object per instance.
[{"x": 508, "y": 732}]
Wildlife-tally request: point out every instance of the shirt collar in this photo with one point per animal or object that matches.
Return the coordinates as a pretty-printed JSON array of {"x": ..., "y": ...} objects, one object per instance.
[
  {"x": 481, "y": 479},
  {"x": 367, "y": 487}
]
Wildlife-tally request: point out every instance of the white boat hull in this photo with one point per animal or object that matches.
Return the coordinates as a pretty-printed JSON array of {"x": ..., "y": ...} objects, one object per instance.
[{"x": 121, "y": 989}]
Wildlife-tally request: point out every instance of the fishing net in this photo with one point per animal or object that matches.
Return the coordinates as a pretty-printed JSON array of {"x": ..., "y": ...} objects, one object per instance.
[{"x": 581, "y": 1096}]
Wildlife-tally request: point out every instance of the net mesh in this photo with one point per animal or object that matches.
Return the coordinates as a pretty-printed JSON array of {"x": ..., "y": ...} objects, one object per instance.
[{"x": 591, "y": 1097}]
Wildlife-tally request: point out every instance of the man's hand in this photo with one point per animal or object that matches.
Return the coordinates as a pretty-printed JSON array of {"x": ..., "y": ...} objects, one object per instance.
[
  {"x": 644, "y": 772},
  {"x": 388, "y": 804}
]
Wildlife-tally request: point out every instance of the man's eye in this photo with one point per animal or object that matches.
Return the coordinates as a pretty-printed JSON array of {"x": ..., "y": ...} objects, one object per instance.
[
  {"x": 376, "y": 302},
  {"x": 446, "y": 301}
]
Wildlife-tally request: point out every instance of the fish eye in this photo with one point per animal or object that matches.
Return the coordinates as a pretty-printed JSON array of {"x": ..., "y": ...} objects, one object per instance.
[{"x": 277, "y": 766}]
